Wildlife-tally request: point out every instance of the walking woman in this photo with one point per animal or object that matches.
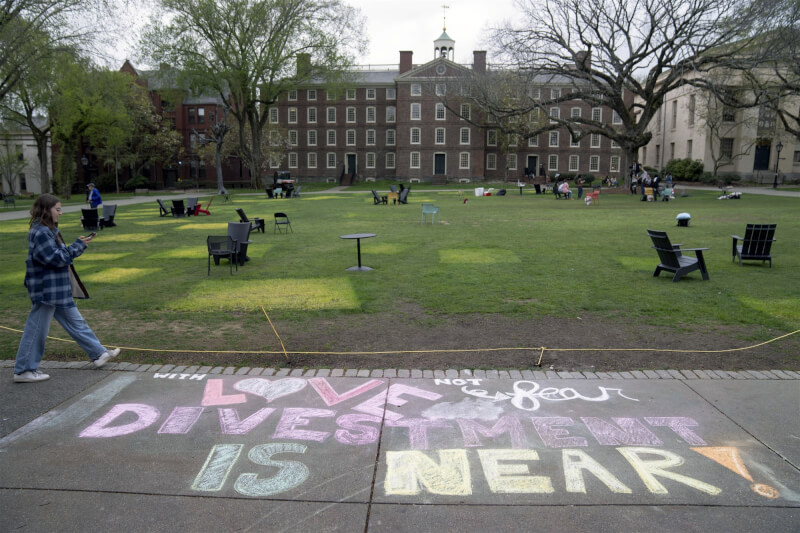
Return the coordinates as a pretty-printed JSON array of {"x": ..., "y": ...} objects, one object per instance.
[{"x": 47, "y": 277}]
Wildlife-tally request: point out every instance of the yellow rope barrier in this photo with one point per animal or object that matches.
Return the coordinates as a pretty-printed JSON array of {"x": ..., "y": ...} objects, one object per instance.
[{"x": 541, "y": 349}]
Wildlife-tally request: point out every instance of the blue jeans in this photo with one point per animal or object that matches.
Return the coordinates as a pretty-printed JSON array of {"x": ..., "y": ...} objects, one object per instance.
[{"x": 31, "y": 347}]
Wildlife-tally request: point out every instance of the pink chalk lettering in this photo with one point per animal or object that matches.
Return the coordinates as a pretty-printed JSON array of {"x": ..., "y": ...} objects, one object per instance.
[
  {"x": 231, "y": 425},
  {"x": 146, "y": 415},
  {"x": 418, "y": 430},
  {"x": 298, "y": 416},
  {"x": 331, "y": 397},
  {"x": 353, "y": 432},
  {"x": 213, "y": 395},
  {"x": 680, "y": 425},
  {"x": 546, "y": 427},
  {"x": 181, "y": 420},
  {"x": 375, "y": 405},
  {"x": 630, "y": 432},
  {"x": 471, "y": 429}
]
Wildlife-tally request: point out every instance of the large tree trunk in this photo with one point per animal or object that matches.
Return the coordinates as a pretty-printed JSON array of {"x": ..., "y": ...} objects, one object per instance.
[{"x": 218, "y": 159}]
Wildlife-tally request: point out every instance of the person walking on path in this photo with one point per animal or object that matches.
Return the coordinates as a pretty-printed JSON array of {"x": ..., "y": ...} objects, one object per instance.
[
  {"x": 94, "y": 196},
  {"x": 50, "y": 286},
  {"x": 579, "y": 183}
]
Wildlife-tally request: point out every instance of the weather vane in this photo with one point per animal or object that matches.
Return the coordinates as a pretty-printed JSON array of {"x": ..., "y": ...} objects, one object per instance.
[{"x": 445, "y": 7}]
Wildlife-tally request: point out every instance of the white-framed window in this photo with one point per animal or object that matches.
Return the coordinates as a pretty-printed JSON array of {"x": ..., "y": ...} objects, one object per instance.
[
  {"x": 331, "y": 135},
  {"x": 312, "y": 159},
  {"x": 555, "y": 93},
  {"x": 552, "y": 162},
  {"x": 726, "y": 147},
  {"x": 275, "y": 161},
  {"x": 491, "y": 161},
  {"x": 416, "y": 111},
  {"x": 615, "y": 118},
  {"x": 312, "y": 137},
  {"x": 292, "y": 137},
  {"x": 350, "y": 94},
  {"x": 513, "y": 139},
  {"x": 350, "y": 115},
  {"x": 463, "y": 160},
  {"x": 597, "y": 114},
  {"x": 555, "y": 114},
  {"x": 350, "y": 137},
  {"x": 511, "y": 161},
  {"x": 536, "y": 93},
  {"x": 371, "y": 94},
  {"x": 391, "y": 94},
  {"x": 331, "y": 95},
  {"x": 464, "y": 136},
  {"x": 331, "y": 112},
  {"x": 414, "y": 161},
  {"x": 554, "y": 139},
  {"x": 575, "y": 112},
  {"x": 534, "y": 115},
  {"x": 415, "y": 137},
  {"x": 595, "y": 140},
  {"x": 311, "y": 94},
  {"x": 292, "y": 159},
  {"x": 391, "y": 114},
  {"x": 370, "y": 114},
  {"x": 491, "y": 137},
  {"x": 293, "y": 95},
  {"x": 440, "y": 89},
  {"x": 614, "y": 144},
  {"x": 440, "y": 115},
  {"x": 466, "y": 112},
  {"x": 390, "y": 137},
  {"x": 274, "y": 137},
  {"x": 439, "y": 137},
  {"x": 533, "y": 141},
  {"x": 312, "y": 115},
  {"x": 574, "y": 163},
  {"x": 331, "y": 157},
  {"x": 594, "y": 163},
  {"x": 370, "y": 159},
  {"x": 292, "y": 115},
  {"x": 416, "y": 89},
  {"x": 273, "y": 115},
  {"x": 613, "y": 164},
  {"x": 574, "y": 143},
  {"x": 370, "y": 137},
  {"x": 390, "y": 163}
]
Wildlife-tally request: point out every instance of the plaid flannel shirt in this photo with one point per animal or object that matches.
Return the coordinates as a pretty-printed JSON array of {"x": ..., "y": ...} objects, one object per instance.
[{"x": 47, "y": 266}]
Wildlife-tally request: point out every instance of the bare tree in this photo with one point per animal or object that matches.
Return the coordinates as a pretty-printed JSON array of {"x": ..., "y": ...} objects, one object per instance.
[{"x": 625, "y": 55}]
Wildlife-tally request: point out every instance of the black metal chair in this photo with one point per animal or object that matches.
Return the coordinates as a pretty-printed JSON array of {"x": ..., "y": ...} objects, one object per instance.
[
  {"x": 109, "y": 211},
  {"x": 89, "y": 219},
  {"x": 256, "y": 223},
  {"x": 240, "y": 232},
  {"x": 221, "y": 246},
  {"x": 672, "y": 259},
  {"x": 756, "y": 245},
  {"x": 178, "y": 209},
  {"x": 282, "y": 220},
  {"x": 163, "y": 210},
  {"x": 377, "y": 200}
]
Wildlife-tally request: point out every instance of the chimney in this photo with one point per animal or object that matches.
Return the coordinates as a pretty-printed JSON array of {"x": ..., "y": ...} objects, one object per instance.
[
  {"x": 303, "y": 65},
  {"x": 583, "y": 60},
  {"x": 479, "y": 61},
  {"x": 406, "y": 58}
]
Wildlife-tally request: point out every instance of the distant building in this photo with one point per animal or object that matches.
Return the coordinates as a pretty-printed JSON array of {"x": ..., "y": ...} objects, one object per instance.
[{"x": 18, "y": 140}]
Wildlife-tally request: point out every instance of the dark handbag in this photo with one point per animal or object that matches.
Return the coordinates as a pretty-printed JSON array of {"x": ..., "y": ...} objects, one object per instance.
[{"x": 78, "y": 289}]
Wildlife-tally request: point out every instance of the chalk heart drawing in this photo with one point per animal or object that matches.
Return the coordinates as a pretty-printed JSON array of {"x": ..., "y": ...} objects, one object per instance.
[{"x": 270, "y": 390}]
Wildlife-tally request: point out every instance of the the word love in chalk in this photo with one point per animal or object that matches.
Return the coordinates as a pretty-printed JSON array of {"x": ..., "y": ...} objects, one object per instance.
[{"x": 270, "y": 390}]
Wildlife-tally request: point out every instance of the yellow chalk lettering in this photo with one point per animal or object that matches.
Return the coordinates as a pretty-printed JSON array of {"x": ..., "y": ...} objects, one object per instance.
[
  {"x": 512, "y": 478},
  {"x": 648, "y": 469},
  {"x": 408, "y": 472},
  {"x": 575, "y": 461}
]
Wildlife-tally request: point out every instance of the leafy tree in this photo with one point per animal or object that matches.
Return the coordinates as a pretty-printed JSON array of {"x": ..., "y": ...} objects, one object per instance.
[
  {"x": 217, "y": 135},
  {"x": 247, "y": 51},
  {"x": 625, "y": 55}
]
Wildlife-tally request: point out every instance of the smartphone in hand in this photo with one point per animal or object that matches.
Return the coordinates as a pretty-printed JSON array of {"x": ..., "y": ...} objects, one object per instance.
[{"x": 92, "y": 235}]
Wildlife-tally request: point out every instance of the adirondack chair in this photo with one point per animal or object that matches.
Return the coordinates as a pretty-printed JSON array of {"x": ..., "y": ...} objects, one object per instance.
[
  {"x": 178, "y": 209},
  {"x": 377, "y": 200},
  {"x": 256, "y": 223},
  {"x": 205, "y": 211},
  {"x": 163, "y": 210},
  {"x": 432, "y": 210},
  {"x": 756, "y": 245},
  {"x": 672, "y": 258},
  {"x": 89, "y": 219},
  {"x": 191, "y": 206},
  {"x": 109, "y": 210},
  {"x": 403, "y": 199},
  {"x": 221, "y": 246}
]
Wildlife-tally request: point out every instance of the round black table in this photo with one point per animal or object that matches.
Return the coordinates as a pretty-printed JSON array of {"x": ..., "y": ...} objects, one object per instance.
[{"x": 358, "y": 237}]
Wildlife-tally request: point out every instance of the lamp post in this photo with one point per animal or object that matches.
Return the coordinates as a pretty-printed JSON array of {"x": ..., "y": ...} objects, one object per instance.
[{"x": 778, "y": 148}]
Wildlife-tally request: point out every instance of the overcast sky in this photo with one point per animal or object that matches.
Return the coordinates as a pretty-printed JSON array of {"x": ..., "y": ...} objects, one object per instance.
[{"x": 391, "y": 26}]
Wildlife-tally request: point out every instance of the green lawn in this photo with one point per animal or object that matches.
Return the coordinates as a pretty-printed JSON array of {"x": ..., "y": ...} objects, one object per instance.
[{"x": 523, "y": 256}]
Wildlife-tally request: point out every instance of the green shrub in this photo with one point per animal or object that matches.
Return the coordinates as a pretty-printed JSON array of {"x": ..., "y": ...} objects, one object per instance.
[
  {"x": 136, "y": 182},
  {"x": 684, "y": 169},
  {"x": 587, "y": 179}
]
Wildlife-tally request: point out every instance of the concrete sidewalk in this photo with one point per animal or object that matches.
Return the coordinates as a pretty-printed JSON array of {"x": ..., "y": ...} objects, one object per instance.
[{"x": 164, "y": 448}]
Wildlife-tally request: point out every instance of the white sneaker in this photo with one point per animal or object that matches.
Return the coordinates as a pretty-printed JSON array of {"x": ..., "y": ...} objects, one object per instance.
[
  {"x": 31, "y": 376},
  {"x": 103, "y": 359}
]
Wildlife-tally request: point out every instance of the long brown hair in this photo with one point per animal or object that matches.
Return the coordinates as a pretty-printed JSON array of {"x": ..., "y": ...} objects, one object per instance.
[{"x": 41, "y": 210}]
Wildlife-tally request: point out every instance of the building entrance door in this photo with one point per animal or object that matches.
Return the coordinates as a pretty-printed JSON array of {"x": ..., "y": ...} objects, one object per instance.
[
  {"x": 439, "y": 164},
  {"x": 533, "y": 164},
  {"x": 761, "y": 158}
]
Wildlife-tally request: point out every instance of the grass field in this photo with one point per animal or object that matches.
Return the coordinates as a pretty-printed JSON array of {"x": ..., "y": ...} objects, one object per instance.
[{"x": 525, "y": 257}]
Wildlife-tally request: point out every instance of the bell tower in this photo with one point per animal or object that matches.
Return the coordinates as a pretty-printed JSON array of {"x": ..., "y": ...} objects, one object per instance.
[{"x": 444, "y": 46}]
